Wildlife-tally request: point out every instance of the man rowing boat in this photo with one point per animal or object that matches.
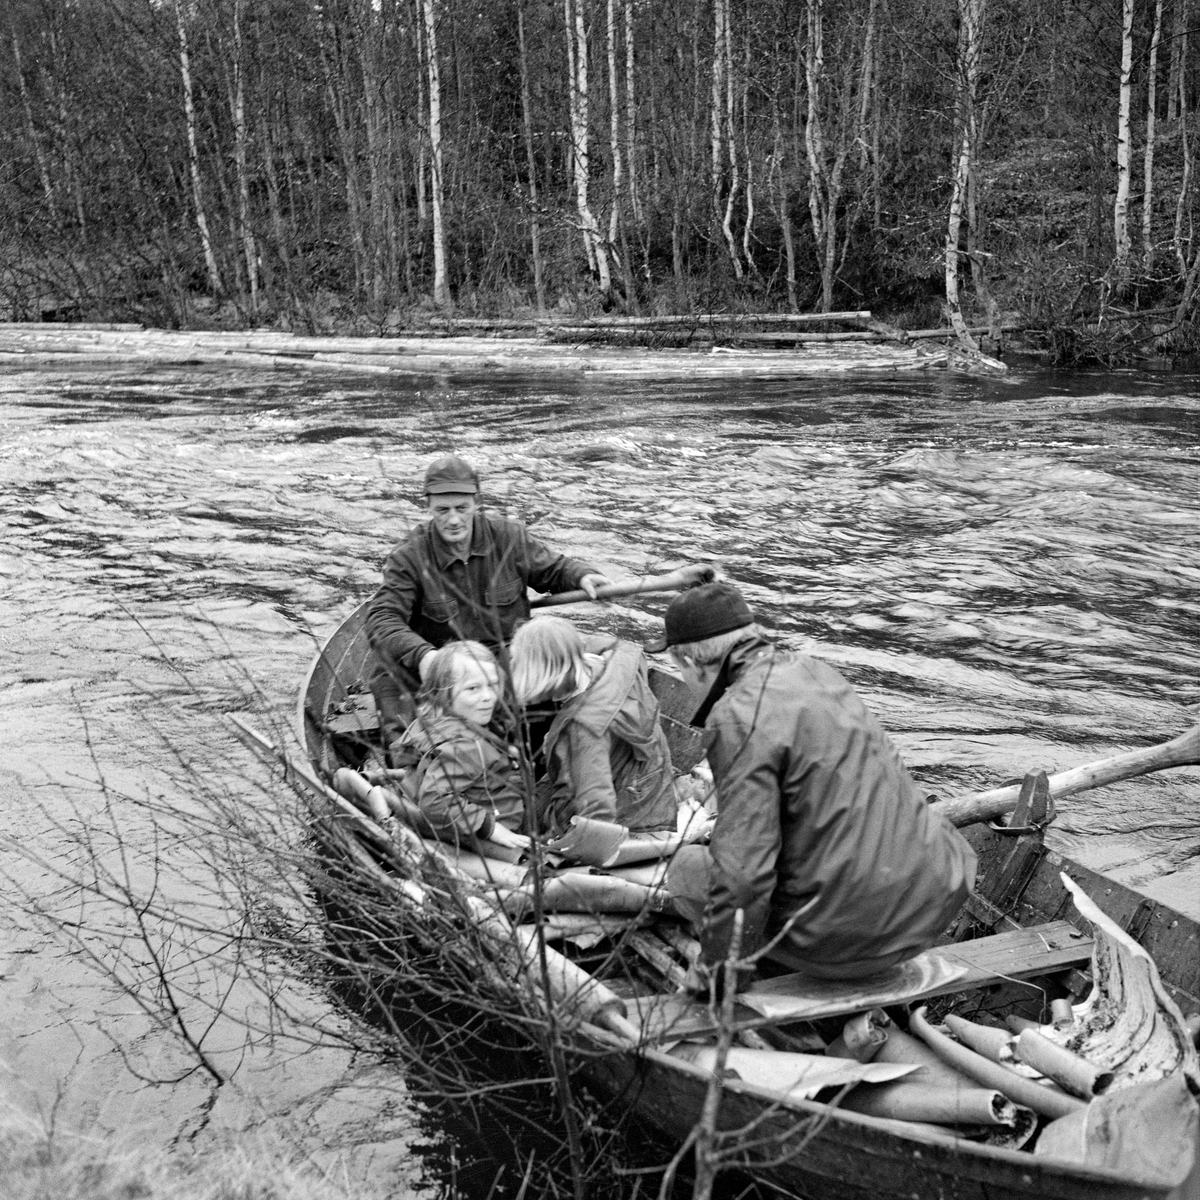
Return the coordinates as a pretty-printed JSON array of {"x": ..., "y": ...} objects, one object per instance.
[
  {"x": 821, "y": 840},
  {"x": 462, "y": 575}
]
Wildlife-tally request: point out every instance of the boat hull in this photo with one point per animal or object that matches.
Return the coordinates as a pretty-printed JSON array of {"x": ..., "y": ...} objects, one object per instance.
[
  {"x": 804, "y": 1146},
  {"x": 815, "y": 1151}
]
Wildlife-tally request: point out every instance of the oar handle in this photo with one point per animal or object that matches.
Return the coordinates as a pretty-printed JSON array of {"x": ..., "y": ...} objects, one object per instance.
[
  {"x": 1182, "y": 751},
  {"x": 685, "y": 577}
]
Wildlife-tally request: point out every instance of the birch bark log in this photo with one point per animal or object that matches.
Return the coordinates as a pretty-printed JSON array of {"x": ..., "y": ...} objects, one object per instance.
[{"x": 189, "y": 111}]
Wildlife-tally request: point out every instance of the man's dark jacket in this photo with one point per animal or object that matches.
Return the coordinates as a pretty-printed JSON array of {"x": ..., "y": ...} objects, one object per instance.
[
  {"x": 430, "y": 596},
  {"x": 817, "y": 815}
]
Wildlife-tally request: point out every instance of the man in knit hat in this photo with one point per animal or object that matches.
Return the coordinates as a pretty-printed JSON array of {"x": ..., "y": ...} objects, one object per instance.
[
  {"x": 461, "y": 575},
  {"x": 822, "y": 839}
]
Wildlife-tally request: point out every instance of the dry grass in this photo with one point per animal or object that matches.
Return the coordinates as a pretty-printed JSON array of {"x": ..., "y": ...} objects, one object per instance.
[{"x": 36, "y": 1164}]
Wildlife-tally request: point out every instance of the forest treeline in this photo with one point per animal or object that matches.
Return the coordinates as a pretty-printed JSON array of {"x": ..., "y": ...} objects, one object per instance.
[{"x": 352, "y": 164}]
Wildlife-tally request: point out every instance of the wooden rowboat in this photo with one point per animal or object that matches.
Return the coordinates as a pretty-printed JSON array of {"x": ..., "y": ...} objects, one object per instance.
[{"x": 1016, "y": 940}]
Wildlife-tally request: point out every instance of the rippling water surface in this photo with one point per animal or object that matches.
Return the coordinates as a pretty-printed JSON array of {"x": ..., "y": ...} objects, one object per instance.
[{"x": 1007, "y": 570}]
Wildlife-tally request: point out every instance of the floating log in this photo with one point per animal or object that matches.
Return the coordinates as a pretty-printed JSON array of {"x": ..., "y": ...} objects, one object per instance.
[
  {"x": 431, "y": 355},
  {"x": 696, "y": 320}
]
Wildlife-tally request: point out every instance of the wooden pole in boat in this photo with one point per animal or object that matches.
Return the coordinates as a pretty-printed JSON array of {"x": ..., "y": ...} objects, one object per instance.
[
  {"x": 685, "y": 577},
  {"x": 1183, "y": 751}
]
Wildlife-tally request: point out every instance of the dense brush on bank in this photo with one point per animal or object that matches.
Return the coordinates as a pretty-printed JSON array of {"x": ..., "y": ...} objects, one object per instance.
[{"x": 342, "y": 168}]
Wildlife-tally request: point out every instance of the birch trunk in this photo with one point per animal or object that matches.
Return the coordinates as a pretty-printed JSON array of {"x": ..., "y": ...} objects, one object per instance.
[
  {"x": 1148, "y": 173},
  {"x": 1178, "y": 243},
  {"x": 970, "y": 29},
  {"x": 614, "y": 121},
  {"x": 631, "y": 119},
  {"x": 535, "y": 233},
  {"x": 275, "y": 208},
  {"x": 1178, "y": 57},
  {"x": 577, "y": 63},
  {"x": 189, "y": 112},
  {"x": 422, "y": 129},
  {"x": 779, "y": 183},
  {"x": 748, "y": 230},
  {"x": 1121, "y": 207},
  {"x": 730, "y": 138},
  {"x": 718, "y": 93},
  {"x": 441, "y": 289},
  {"x": 868, "y": 145},
  {"x": 372, "y": 121},
  {"x": 825, "y": 182},
  {"x": 249, "y": 249},
  {"x": 27, "y": 106}
]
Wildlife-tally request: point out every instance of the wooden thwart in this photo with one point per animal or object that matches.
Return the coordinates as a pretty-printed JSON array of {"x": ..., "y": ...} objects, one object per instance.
[{"x": 1020, "y": 954}]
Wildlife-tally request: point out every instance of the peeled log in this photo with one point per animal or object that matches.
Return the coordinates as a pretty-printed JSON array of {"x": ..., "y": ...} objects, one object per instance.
[
  {"x": 902, "y": 1047},
  {"x": 571, "y": 987},
  {"x": 913, "y": 1100},
  {"x": 862, "y": 1036},
  {"x": 1069, "y": 1070},
  {"x": 987, "y": 1040},
  {"x": 1050, "y": 1102},
  {"x": 582, "y": 893}
]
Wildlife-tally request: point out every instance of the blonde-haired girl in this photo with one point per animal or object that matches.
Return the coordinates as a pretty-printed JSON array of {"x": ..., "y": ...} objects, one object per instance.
[
  {"x": 466, "y": 781},
  {"x": 606, "y": 754}
]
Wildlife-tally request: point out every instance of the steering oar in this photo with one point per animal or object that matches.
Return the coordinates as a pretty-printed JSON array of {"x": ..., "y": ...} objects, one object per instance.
[
  {"x": 1183, "y": 751},
  {"x": 677, "y": 581}
]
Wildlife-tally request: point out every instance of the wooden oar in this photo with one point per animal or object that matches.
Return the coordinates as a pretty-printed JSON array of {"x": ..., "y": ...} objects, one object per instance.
[
  {"x": 685, "y": 577},
  {"x": 1183, "y": 751}
]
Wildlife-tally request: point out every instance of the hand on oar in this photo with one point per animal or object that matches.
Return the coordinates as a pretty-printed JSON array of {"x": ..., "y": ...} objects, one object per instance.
[
  {"x": 1183, "y": 751},
  {"x": 685, "y": 577}
]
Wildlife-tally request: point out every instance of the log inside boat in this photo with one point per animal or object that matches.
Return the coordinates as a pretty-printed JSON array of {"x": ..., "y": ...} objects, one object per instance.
[{"x": 1019, "y": 950}]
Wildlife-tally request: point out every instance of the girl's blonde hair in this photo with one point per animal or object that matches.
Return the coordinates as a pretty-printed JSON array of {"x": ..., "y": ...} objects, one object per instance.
[
  {"x": 547, "y": 660},
  {"x": 437, "y": 688}
]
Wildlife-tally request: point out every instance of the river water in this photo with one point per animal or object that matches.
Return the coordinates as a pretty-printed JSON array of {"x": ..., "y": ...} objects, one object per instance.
[{"x": 1006, "y": 569}]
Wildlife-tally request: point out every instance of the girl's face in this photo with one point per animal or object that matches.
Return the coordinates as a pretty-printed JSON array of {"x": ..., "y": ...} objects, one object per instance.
[{"x": 476, "y": 690}]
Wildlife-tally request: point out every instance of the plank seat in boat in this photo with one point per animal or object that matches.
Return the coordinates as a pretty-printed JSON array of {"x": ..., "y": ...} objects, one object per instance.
[{"x": 1018, "y": 954}]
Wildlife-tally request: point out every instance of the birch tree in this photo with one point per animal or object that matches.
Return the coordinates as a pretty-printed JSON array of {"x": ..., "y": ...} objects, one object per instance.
[
  {"x": 577, "y": 68},
  {"x": 827, "y": 144},
  {"x": 189, "y": 111},
  {"x": 631, "y": 117},
  {"x": 441, "y": 287},
  {"x": 970, "y": 36},
  {"x": 238, "y": 115},
  {"x": 1121, "y": 206},
  {"x": 1180, "y": 242},
  {"x": 32, "y": 132},
  {"x": 535, "y": 233},
  {"x": 1148, "y": 171}
]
